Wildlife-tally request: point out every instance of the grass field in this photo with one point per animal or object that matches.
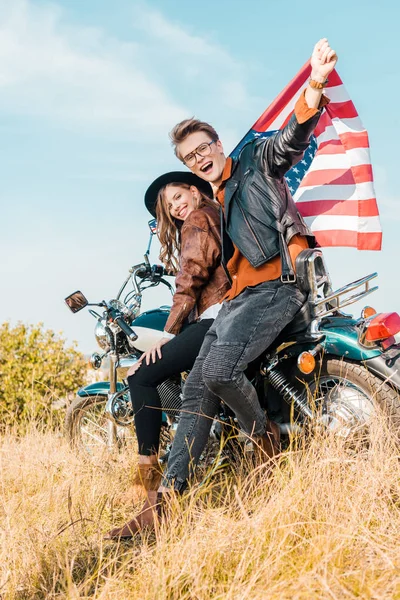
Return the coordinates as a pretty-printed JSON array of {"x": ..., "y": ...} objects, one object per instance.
[{"x": 325, "y": 523}]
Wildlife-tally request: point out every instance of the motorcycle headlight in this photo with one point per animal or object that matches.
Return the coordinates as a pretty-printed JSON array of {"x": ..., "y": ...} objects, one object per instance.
[{"x": 101, "y": 336}]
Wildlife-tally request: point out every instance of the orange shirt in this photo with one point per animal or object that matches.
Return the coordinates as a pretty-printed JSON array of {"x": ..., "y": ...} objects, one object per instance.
[{"x": 242, "y": 272}]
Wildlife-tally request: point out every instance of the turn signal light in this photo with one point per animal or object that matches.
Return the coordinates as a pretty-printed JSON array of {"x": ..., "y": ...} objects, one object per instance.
[
  {"x": 367, "y": 312},
  {"x": 306, "y": 363},
  {"x": 383, "y": 326}
]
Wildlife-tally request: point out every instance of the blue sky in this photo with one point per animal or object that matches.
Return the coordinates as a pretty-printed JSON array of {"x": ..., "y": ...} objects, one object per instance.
[{"x": 88, "y": 93}]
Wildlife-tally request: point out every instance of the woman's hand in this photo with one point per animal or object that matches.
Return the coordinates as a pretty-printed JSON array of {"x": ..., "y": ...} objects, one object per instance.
[{"x": 149, "y": 355}]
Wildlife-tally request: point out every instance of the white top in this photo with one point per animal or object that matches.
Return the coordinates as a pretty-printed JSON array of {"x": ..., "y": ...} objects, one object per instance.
[{"x": 210, "y": 313}]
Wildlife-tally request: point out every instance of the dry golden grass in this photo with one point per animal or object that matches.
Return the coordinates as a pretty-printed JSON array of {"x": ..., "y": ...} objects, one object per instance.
[{"x": 324, "y": 524}]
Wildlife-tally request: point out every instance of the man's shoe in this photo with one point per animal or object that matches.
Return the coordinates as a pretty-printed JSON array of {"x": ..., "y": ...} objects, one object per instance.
[{"x": 269, "y": 442}]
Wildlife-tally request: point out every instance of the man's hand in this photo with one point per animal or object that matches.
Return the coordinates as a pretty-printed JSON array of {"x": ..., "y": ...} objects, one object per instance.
[{"x": 323, "y": 61}]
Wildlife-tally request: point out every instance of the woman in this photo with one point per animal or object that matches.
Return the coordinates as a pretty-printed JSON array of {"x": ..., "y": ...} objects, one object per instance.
[{"x": 189, "y": 225}]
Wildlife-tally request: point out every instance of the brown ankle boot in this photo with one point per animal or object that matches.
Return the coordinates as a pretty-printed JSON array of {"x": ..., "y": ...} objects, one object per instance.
[
  {"x": 148, "y": 475},
  {"x": 270, "y": 441},
  {"x": 145, "y": 519}
]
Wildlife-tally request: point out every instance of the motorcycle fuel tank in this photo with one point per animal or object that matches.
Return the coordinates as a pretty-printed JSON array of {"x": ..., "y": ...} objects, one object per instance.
[{"x": 149, "y": 327}]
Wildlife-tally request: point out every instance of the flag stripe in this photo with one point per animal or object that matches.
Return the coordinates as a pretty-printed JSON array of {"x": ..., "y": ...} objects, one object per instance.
[
  {"x": 358, "y": 174},
  {"x": 340, "y": 159},
  {"x": 337, "y": 93},
  {"x": 362, "y": 241},
  {"x": 269, "y": 115},
  {"x": 349, "y": 208},
  {"x": 342, "y": 110},
  {"x": 348, "y": 141},
  {"x": 334, "y": 79},
  {"x": 352, "y": 223},
  {"x": 361, "y": 191},
  {"x": 340, "y": 126}
]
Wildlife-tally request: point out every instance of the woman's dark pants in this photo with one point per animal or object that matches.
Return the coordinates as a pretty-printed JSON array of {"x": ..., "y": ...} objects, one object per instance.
[{"x": 177, "y": 356}]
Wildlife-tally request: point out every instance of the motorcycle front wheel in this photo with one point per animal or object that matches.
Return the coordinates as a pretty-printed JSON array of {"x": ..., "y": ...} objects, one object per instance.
[
  {"x": 90, "y": 429},
  {"x": 347, "y": 396}
]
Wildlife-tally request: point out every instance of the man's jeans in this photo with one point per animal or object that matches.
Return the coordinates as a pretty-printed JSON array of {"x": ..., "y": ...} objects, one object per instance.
[{"x": 243, "y": 329}]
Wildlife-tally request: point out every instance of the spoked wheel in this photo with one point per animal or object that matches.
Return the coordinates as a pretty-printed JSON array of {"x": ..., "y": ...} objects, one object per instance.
[
  {"x": 91, "y": 429},
  {"x": 347, "y": 396}
]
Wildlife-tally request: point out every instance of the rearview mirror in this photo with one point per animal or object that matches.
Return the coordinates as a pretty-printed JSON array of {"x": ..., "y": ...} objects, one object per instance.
[
  {"x": 76, "y": 301},
  {"x": 153, "y": 226}
]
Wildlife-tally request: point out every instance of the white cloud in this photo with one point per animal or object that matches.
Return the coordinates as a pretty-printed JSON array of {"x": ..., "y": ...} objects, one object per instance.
[
  {"x": 84, "y": 77},
  {"x": 77, "y": 74},
  {"x": 211, "y": 72}
]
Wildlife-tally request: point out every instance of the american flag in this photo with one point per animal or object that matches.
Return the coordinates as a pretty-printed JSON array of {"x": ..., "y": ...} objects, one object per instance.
[{"x": 333, "y": 184}]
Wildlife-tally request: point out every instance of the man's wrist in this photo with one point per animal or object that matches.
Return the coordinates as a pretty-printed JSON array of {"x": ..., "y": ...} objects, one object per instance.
[{"x": 315, "y": 76}]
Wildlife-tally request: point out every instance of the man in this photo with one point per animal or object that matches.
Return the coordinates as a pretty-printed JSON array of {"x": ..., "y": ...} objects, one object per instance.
[{"x": 266, "y": 233}]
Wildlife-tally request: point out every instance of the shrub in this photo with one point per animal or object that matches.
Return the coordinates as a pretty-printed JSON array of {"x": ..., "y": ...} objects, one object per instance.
[{"x": 36, "y": 369}]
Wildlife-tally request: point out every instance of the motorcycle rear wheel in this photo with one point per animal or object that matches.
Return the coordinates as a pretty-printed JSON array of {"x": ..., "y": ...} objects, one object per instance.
[{"x": 348, "y": 395}]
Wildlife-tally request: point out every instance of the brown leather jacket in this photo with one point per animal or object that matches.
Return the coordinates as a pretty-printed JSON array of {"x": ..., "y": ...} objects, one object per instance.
[{"x": 201, "y": 280}]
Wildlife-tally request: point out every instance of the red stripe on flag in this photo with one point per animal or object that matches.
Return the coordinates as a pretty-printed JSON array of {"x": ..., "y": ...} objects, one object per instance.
[
  {"x": 341, "y": 110},
  {"x": 362, "y": 173},
  {"x": 358, "y": 174},
  {"x": 351, "y": 141},
  {"x": 348, "y": 208},
  {"x": 276, "y": 107},
  {"x": 358, "y": 139},
  {"x": 362, "y": 241},
  {"x": 334, "y": 79},
  {"x": 331, "y": 147},
  {"x": 324, "y": 122},
  {"x": 370, "y": 241}
]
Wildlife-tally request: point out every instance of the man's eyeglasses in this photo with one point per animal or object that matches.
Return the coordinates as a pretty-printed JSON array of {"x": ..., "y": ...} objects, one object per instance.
[{"x": 203, "y": 150}]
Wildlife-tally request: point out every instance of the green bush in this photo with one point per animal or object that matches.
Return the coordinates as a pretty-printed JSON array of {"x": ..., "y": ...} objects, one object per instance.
[{"x": 36, "y": 369}]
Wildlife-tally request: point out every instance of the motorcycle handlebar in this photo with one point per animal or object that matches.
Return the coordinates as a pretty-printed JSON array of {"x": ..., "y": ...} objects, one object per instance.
[
  {"x": 126, "y": 328},
  {"x": 153, "y": 272}
]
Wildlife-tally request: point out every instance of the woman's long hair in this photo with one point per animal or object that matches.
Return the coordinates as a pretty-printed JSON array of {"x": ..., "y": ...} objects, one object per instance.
[{"x": 169, "y": 228}]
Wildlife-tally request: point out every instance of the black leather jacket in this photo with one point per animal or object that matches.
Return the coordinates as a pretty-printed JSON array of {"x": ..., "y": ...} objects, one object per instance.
[{"x": 260, "y": 214}]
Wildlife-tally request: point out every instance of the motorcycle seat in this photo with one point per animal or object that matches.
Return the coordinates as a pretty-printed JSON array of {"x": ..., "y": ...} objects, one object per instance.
[{"x": 300, "y": 322}]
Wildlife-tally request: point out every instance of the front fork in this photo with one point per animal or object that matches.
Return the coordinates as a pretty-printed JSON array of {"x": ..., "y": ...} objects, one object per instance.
[{"x": 111, "y": 425}]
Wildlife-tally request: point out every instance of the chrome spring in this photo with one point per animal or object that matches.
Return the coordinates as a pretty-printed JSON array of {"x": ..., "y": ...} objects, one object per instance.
[{"x": 289, "y": 393}]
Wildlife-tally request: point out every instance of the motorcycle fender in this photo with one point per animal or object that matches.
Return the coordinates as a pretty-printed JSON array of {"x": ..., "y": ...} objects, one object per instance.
[
  {"x": 343, "y": 342},
  {"x": 102, "y": 388},
  {"x": 98, "y": 388},
  {"x": 337, "y": 342},
  {"x": 386, "y": 366}
]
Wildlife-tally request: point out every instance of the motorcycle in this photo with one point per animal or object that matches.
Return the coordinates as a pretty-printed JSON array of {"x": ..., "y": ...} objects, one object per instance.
[{"x": 325, "y": 367}]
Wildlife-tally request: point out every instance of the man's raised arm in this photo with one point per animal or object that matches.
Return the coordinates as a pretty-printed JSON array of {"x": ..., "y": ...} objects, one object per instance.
[{"x": 280, "y": 152}]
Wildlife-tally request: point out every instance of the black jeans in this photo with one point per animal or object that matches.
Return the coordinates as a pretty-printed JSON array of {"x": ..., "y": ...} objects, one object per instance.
[
  {"x": 177, "y": 356},
  {"x": 243, "y": 329}
]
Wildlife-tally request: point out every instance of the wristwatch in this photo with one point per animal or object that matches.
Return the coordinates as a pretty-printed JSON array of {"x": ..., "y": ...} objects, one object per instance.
[{"x": 318, "y": 85}]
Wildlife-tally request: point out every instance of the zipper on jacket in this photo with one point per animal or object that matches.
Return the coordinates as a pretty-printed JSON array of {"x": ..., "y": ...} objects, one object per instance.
[
  {"x": 260, "y": 191},
  {"x": 252, "y": 232},
  {"x": 177, "y": 317}
]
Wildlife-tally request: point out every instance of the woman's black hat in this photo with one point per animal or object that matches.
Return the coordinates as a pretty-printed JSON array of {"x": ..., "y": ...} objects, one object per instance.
[{"x": 150, "y": 197}]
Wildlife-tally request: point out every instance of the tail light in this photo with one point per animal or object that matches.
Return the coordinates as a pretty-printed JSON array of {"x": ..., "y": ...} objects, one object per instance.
[{"x": 383, "y": 326}]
